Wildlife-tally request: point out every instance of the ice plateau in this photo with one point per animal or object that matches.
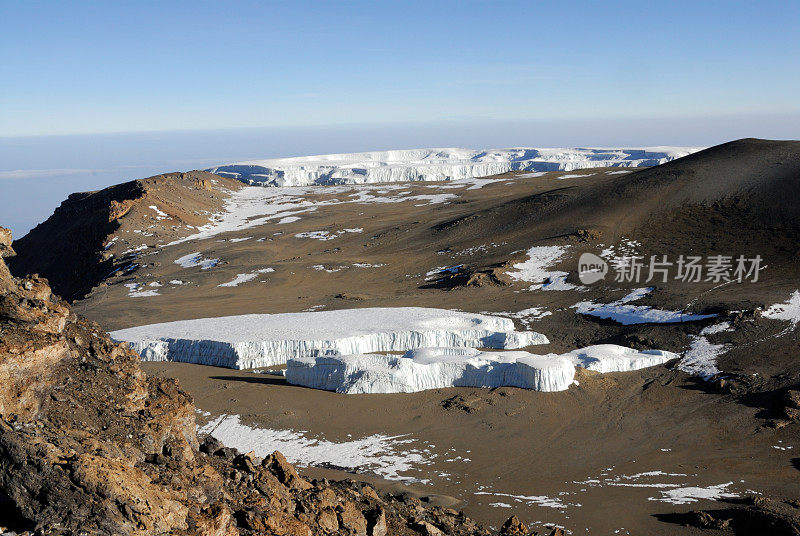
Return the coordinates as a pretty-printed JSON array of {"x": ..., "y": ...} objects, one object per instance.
[
  {"x": 438, "y": 164},
  {"x": 259, "y": 340}
]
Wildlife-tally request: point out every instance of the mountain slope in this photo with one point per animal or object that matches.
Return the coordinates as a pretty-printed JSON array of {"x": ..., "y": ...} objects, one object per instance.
[
  {"x": 720, "y": 419},
  {"x": 90, "y": 445},
  {"x": 89, "y": 234}
]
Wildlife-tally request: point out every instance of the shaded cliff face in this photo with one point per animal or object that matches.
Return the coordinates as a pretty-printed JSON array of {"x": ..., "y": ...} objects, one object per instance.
[
  {"x": 85, "y": 239},
  {"x": 90, "y": 445}
]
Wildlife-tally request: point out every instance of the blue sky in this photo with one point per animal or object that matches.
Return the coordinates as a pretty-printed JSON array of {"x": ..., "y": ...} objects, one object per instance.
[
  {"x": 96, "y": 93},
  {"x": 88, "y": 67}
]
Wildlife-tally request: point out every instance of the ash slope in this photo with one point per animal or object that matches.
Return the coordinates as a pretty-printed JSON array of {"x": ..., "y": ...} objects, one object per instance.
[
  {"x": 437, "y": 164},
  {"x": 90, "y": 445}
]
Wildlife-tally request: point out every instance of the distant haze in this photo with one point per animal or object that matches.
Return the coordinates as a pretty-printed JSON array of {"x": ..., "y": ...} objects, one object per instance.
[{"x": 37, "y": 173}]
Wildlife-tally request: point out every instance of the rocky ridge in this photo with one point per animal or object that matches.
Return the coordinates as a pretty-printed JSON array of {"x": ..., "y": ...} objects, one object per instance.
[{"x": 94, "y": 235}]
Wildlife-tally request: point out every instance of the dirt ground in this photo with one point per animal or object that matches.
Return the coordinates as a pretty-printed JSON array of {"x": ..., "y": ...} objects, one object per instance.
[{"x": 583, "y": 458}]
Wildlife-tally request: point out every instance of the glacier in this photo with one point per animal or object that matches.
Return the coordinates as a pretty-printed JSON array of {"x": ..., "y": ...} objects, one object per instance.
[
  {"x": 260, "y": 340},
  {"x": 438, "y": 164},
  {"x": 435, "y": 368},
  {"x": 605, "y": 358},
  {"x": 418, "y": 371}
]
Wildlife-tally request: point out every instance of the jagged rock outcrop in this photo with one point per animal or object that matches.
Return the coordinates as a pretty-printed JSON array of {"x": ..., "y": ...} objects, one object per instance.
[
  {"x": 90, "y": 445},
  {"x": 751, "y": 515}
]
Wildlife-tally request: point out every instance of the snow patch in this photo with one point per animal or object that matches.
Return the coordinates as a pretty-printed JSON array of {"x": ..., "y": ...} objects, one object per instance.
[
  {"x": 621, "y": 311},
  {"x": 161, "y": 215},
  {"x": 135, "y": 290},
  {"x": 196, "y": 259},
  {"x": 244, "y": 278},
  {"x": 693, "y": 494},
  {"x": 701, "y": 357},
  {"x": 382, "y": 455},
  {"x": 789, "y": 310},
  {"x": 535, "y": 269}
]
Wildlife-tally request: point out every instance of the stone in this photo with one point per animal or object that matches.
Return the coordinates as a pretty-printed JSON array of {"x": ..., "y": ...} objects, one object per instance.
[{"x": 513, "y": 527}]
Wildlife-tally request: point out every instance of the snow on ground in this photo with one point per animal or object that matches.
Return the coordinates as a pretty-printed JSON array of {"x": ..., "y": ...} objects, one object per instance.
[
  {"x": 386, "y": 456},
  {"x": 239, "y": 279},
  {"x": 255, "y": 206},
  {"x": 436, "y": 368},
  {"x": 626, "y": 247},
  {"x": 701, "y": 357},
  {"x": 258, "y": 340},
  {"x": 531, "y": 500},
  {"x": 529, "y": 314},
  {"x": 437, "y": 164},
  {"x": 626, "y": 314},
  {"x": 135, "y": 290},
  {"x": 135, "y": 249},
  {"x": 196, "y": 259},
  {"x": 691, "y": 494},
  {"x": 578, "y": 175},
  {"x": 431, "y": 368},
  {"x": 323, "y": 268},
  {"x": 442, "y": 271},
  {"x": 161, "y": 215},
  {"x": 535, "y": 269},
  {"x": 317, "y": 235},
  {"x": 244, "y": 278},
  {"x": 672, "y": 487},
  {"x": 789, "y": 310},
  {"x": 327, "y": 235}
]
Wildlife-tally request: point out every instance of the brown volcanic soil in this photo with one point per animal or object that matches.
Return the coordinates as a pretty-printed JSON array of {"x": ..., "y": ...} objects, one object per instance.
[
  {"x": 89, "y": 445},
  {"x": 737, "y": 198},
  {"x": 80, "y": 244},
  {"x": 525, "y": 443}
]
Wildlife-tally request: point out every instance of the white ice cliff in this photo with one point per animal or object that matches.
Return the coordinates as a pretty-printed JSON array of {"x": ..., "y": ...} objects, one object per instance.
[
  {"x": 438, "y": 164},
  {"x": 259, "y": 340},
  {"x": 434, "y": 368}
]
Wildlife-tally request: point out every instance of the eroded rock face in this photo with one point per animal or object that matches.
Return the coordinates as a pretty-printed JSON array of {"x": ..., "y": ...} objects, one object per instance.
[
  {"x": 90, "y": 235},
  {"x": 90, "y": 445}
]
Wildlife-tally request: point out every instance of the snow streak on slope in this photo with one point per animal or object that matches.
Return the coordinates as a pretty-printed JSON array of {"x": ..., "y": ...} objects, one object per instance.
[
  {"x": 258, "y": 340},
  {"x": 437, "y": 164},
  {"x": 386, "y": 456},
  {"x": 535, "y": 269},
  {"x": 701, "y": 357},
  {"x": 790, "y": 310},
  {"x": 251, "y": 207},
  {"x": 626, "y": 314}
]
